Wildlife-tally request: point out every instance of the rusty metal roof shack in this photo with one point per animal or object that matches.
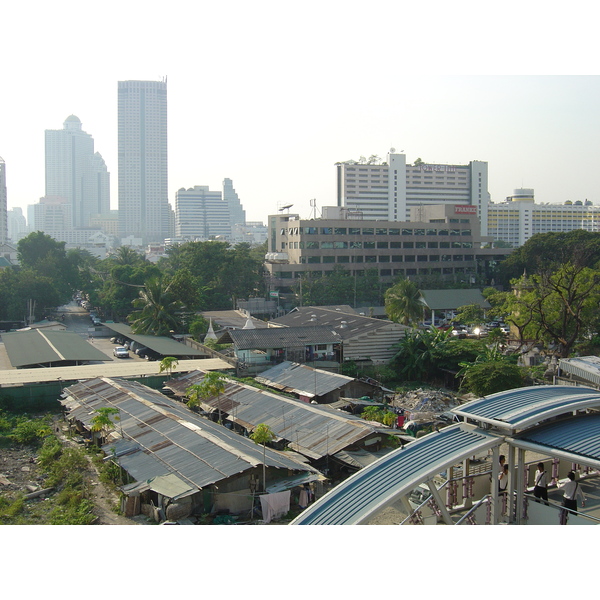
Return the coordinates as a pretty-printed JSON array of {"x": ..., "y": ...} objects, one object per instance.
[
  {"x": 302, "y": 380},
  {"x": 312, "y": 430},
  {"x": 158, "y": 437}
]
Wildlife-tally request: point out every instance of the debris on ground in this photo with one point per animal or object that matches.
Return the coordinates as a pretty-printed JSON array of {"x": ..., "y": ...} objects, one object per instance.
[{"x": 424, "y": 405}]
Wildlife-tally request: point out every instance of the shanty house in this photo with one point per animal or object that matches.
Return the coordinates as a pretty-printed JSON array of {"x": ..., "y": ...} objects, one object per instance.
[
  {"x": 363, "y": 338},
  {"x": 178, "y": 464},
  {"x": 259, "y": 349},
  {"x": 315, "y": 431},
  {"x": 314, "y": 385}
]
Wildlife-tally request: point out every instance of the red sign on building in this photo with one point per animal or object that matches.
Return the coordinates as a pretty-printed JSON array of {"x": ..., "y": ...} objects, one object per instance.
[{"x": 465, "y": 210}]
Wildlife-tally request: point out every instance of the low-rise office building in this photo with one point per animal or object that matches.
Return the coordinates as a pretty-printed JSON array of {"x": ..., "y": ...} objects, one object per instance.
[{"x": 440, "y": 240}]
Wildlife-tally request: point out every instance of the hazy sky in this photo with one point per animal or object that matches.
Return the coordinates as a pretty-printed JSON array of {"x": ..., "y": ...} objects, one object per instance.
[{"x": 272, "y": 94}]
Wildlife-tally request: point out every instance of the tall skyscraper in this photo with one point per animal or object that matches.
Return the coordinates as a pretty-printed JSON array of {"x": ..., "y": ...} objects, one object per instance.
[
  {"x": 3, "y": 203},
  {"x": 236, "y": 210},
  {"x": 144, "y": 210},
  {"x": 75, "y": 172}
]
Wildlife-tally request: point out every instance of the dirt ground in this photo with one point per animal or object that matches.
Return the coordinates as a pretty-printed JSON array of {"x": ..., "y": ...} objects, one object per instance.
[{"x": 19, "y": 472}]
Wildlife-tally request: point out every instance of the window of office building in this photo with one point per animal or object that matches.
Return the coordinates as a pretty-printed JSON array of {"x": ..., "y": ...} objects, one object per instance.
[
  {"x": 432, "y": 245},
  {"x": 383, "y": 245},
  {"x": 329, "y": 259},
  {"x": 407, "y": 232},
  {"x": 343, "y": 259},
  {"x": 313, "y": 259},
  {"x": 368, "y": 231},
  {"x": 339, "y": 230},
  {"x": 384, "y": 258},
  {"x": 340, "y": 245},
  {"x": 369, "y": 245},
  {"x": 354, "y": 230},
  {"x": 326, "y": 230},
  {"x": 385, "y": 272},
  {"x": 408, "y": 244},
  {"x": 370, "y": 259},
  {"x": 381, "y": 231}
]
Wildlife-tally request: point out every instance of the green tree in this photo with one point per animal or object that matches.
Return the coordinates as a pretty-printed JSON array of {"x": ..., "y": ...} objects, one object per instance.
[
  {"x": 102, "y": 422},
  {"x": 262, "y": 435},
  {"x": 471, "y": 314},
  {"x": 167, "y": 364},
  {"x": 212, "y": 384},
  {"x": 159, "y": 311},
  {"x": 548, "y": 251},
  {"x": 403, "y": 302}
]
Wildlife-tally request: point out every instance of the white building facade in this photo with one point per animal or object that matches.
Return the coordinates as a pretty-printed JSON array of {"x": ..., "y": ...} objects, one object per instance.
[
  {"x": 202, "y": 214},
  {"x": 144, "y": 210},
  {"x": 388, "y": 190},
  {"x": 75, "y": 172},
  {"x": 519, "y": 217}
]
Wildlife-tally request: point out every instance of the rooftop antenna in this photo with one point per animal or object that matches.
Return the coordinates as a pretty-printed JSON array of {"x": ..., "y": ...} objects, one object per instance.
[{"x": 314, "y": 211}]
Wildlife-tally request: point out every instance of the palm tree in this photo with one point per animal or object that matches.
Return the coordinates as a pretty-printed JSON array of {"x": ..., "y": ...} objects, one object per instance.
[
  {"x": 167, "y": 364},
  {"x": 263, "y": 434},
  {"x": 127, "y": 256},
  {"x": 403, "y": 302},
  {"x": 158, "y": 308}
]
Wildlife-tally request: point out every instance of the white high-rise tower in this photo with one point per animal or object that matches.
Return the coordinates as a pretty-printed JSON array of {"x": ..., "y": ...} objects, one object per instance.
[
  {"x": 144, "y": 210},
  {"x": 75, "y": 172}
]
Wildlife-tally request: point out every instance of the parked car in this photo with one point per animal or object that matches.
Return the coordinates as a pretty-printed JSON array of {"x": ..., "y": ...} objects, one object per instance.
[
  {"x": 141, "y": 351},
  {"x": 121, "y": 352},
  {"x": 459, "y": 331}
]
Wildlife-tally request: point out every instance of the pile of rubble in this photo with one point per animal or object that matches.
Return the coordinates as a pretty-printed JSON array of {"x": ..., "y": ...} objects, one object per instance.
[{"x": 424, "y": 405}]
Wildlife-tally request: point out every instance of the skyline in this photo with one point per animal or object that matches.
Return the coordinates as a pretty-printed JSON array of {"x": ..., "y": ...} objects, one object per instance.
[{"x": 274, "y": 107}]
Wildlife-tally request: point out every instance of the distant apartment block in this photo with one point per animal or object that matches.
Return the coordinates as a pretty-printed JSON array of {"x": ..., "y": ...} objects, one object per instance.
[
  {"x": 3, "y": 204},
  {"x": 388, "y": 190},
  {"x": 51, "y": 214},
  {"x": 202, "y": 214},
  {"x": 443, "y": 241},
  {"x": 144, "y": 210},
  {"x": 75, "y": 172},
  {"x": 17, "y": 224},
  {"x": 519, "y": 217}
]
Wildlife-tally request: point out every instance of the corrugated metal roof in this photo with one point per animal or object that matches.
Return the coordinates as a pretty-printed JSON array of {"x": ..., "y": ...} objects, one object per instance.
[
  {"x": 42, "y": 347},
  {"x": 125, "y": 368},
  {"x": 371, "y": 489},
  {"x": 162, "y": 436},
  {"x": 448, "y": 299},
  {"x": 579, "y": 436},
  {"x": 302, "y": 379},
  {"x": 163, "y": 345},
  {"x": 523, "y": 407},
  {"x": 233, "y": 319},
  {"x": 282, "y": 337},
  {"x": 347, "y": 325},
  {"x": 584, "y": 367},
  {"x": 310, "y": 429}
]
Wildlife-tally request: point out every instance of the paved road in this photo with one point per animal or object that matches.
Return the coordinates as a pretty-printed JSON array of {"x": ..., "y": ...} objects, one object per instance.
[{"x": 77, "y": 320}]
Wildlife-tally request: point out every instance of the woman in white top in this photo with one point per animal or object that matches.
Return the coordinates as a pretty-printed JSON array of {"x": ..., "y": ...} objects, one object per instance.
[{"x": 540, "y": 489}]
